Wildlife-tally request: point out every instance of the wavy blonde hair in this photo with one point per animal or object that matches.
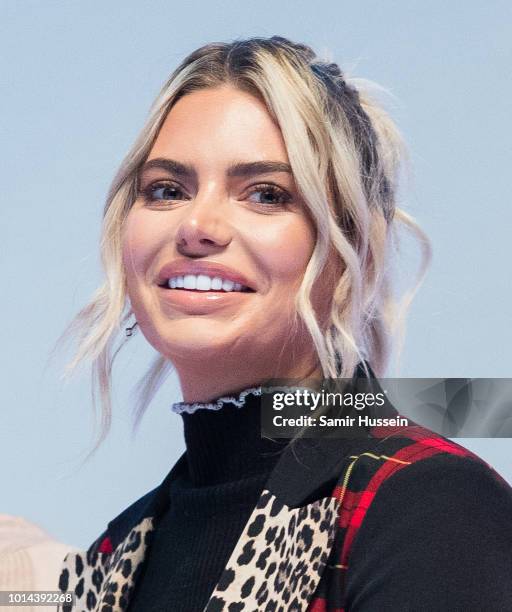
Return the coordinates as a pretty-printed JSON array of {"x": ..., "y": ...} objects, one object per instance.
[{"x": 345, "y": 153}]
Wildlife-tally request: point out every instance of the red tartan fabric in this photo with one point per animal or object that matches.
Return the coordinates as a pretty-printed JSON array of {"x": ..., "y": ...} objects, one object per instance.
[{"x": 360, "y": 481}]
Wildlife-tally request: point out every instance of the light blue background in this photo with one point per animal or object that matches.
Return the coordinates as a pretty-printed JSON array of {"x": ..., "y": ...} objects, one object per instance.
[{"x": 77, "y": 80}]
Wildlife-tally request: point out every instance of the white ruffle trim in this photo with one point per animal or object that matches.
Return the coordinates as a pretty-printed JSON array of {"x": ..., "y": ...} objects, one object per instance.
[{"x": 239, "y": 401}]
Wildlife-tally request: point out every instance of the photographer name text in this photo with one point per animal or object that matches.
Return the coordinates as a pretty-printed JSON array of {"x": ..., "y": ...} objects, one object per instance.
[{"x": 323, "y": 421}]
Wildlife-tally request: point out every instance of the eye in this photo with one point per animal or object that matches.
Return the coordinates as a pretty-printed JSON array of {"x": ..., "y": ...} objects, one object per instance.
[
  {"x": 270, "y": 195},
  {"x": 162, "y": 191}
]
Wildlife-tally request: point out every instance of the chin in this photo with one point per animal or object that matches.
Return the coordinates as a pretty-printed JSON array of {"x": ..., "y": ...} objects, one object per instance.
[{"x": 195, "y": 338}]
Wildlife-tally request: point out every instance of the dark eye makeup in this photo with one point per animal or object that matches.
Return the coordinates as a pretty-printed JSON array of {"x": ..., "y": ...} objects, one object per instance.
[{"x": 170, "y": 191}]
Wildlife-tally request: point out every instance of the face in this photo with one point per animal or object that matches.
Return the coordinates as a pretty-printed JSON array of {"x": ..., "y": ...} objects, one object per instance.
[{"x": 217, "y": 203}]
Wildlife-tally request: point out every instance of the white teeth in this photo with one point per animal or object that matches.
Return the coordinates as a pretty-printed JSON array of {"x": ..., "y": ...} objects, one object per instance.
[
  {"x": 228, "y": 285},
  {"x": 189, "y": 281},
  {"x": 202, "y": 282},
  {"x": 216, "y": 283}
]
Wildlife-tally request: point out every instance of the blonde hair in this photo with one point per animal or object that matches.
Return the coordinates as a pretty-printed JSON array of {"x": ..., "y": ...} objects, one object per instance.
[{"x": 345, "y": 153}]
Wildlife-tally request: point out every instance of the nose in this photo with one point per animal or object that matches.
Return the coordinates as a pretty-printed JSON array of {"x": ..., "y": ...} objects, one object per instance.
[{"x": 205, "y": 228}]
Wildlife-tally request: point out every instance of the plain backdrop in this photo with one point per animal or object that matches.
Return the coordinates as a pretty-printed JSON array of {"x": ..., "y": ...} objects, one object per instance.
[{"x": 77, "y": 79}]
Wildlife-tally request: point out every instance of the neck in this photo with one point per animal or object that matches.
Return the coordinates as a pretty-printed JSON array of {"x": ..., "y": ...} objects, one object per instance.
[{"x": 203, "y": 381}]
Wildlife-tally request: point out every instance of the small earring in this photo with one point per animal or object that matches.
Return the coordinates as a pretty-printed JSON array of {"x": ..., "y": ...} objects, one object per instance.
[{"x": 129, "y": 330}]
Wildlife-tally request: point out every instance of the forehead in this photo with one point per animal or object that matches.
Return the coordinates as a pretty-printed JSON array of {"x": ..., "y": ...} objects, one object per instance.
[{"x": 219, "y": 125}]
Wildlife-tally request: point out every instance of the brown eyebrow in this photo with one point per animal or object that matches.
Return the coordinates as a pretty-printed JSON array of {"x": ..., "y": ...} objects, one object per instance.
[
  {"x": 239, "y": 170},
  {"x": 247, "y": 169}
]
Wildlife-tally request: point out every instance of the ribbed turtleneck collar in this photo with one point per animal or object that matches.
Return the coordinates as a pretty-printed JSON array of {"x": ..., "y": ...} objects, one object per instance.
[{"x": 223, "y": 438}]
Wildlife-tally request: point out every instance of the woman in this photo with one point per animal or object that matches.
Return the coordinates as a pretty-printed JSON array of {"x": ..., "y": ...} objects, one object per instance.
[{"x": 251, "y": 227}]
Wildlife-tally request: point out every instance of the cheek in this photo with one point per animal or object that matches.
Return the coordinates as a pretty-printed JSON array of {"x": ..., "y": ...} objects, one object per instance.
[
  {"x": 284, "y": 251},
  {"x": 140, "y": 241}
]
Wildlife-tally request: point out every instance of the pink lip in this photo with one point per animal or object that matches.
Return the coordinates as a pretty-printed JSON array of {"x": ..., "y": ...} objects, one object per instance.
[
  {"x": 201, "y": 302},
  {"x": 182, "y": 267}
]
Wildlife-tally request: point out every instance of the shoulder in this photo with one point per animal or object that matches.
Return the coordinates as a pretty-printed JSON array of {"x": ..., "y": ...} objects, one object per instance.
[
  {"x": 425, "y": 470},
  {"x": 120, "y": 526},
  {"x": 148, "y": 506},
  {"x": 440, "y": 519},
  {"x": 450, "y": 482},
  {"x": 405, "y": 450}
]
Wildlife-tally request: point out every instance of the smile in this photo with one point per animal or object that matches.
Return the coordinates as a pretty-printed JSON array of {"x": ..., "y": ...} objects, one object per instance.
[{"x": 203, "y": 282}]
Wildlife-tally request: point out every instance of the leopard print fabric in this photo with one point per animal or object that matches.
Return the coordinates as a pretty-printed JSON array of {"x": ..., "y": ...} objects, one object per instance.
[
  {"x": 110, "y": 577},
  {"x": 83, "y": 574},
  {"x": 275, "y": 566},
  {"x": 277, "y": 563}
]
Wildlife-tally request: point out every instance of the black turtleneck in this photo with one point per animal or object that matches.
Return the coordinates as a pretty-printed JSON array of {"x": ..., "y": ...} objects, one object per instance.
[{"x": 210, "y": 500}]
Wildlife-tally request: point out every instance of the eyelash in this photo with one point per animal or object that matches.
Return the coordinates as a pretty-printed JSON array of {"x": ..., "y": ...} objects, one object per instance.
[{"x": 148, "y": 193}]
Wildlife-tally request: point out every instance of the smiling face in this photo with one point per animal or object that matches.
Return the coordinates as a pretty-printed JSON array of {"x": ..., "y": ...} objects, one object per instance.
[{"x": 216, "y": 190}]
